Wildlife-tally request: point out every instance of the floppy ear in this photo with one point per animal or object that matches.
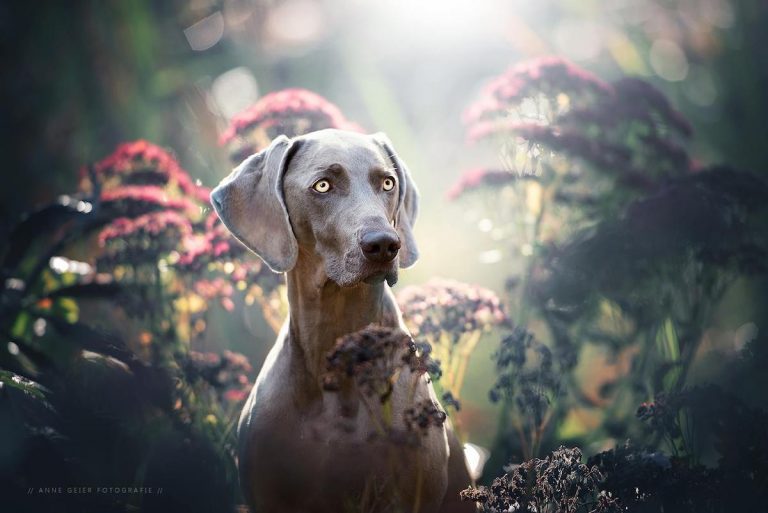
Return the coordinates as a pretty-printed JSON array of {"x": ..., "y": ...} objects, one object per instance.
[
  {"x": 251, "y": 205},
  {"x": 408, "y": 203}
]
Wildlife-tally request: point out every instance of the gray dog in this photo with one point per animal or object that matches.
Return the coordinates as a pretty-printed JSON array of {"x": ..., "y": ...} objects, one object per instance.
[{"x": 334, "y": 210}]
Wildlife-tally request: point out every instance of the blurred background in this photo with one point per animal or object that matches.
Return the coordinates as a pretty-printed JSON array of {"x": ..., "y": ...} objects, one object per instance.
[{"x": 82, "y": 77}]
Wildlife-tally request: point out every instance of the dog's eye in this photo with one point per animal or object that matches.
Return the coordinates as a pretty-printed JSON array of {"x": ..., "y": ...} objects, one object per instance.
[
  {"x": 388, "y": 184},
  {"x": 322, "y": 186}
]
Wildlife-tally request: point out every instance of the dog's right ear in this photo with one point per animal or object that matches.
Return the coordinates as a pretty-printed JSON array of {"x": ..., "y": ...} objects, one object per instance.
[{"x": 251, "y": 204}]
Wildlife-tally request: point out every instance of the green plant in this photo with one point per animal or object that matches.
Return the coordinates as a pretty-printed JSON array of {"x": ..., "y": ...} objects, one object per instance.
[{"x": 615, "y": 240}]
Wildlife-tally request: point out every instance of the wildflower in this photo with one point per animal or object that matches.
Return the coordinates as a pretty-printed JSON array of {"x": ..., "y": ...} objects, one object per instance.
[
  {"x": 452, "y": 316},
  {"x": 289, "y": 112},
  {"x": 449, "y": 401},
  {"x": 149, "y": 224},
  {"x": 227, "y": 373},
  {"x": 369, "y": 358},
  {"x": 528, "y": 379},
  {"x": 142, "y": 163},
  {"x": 477, "y": 178},
  {"x": 549, "y": 75},
  {"x": 419, "y": 360},
  {"x": 235, "y": 396},
  {"x": 238, "y": 361},
  {"x": 651, "y": 410},
  {"x": 551, "y": 116},
  {"x": 423, "y": 415},
  {"x": 526, "y": 372},
  {"x": 145, "y": 238},
  {"x": 139, "y": 177},
  {"x": 211, "y": 243},
  {"x": 162, "y": 219},
  {"x": 155, "y": 202},
  {"x": 558, "y": 483},
  {"x": 135, "y": 200},
  {"x": 449, "y": 306},
  {"x": 522, "y": 130}
]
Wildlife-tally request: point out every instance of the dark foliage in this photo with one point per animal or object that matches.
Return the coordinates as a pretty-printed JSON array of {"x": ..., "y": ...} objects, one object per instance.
[
  {"x": 78, "y": 405},
  {"x": 647, "y": 481},
  {"x": 635, "y": 479},
  {"x": 559, "y": 483},
  {"x": 716, "y": 217},
  {"x": 529, "y": 385}
]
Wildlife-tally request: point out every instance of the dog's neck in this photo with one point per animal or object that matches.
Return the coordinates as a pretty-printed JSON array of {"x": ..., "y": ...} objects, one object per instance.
[{"x": 320, "y": 311}]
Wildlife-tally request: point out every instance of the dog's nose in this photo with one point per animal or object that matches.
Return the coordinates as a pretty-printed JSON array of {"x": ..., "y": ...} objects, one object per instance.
[{"x": 380, "y": 246}]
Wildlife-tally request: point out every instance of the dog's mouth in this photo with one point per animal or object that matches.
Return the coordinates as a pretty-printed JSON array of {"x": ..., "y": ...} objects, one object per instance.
[
  {"x": 371, "y": 276},
  {"x": 379, "y": 276},
  {"x": 375, "y": 273},
  {"x": 353, "y": 270}
]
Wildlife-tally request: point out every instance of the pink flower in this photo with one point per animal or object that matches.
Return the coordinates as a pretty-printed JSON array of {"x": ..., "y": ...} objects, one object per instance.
[
  {"x": 236, "y": 395},
  {"x": 543, "y": 75},
  {"x": 137, "y": 199},
  {"x": 479, "y": 177},
  {"x": 152, "y": 224},
  {"x": 228, "y": 304},
  {"x": 194, "y": 247},
  {"x": 141, "y": 163},
  {"x": 290, "y": 112},
  {"x": 449, "y": 306}
]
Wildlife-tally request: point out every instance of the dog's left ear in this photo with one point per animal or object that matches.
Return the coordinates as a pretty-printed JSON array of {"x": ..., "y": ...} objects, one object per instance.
[{"x": 408, "y": 202}]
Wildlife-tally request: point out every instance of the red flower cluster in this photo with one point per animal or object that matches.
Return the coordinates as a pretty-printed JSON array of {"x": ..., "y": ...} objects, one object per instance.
[
  {"x": 133, "y": 200},
  {"x": 149, "y": 224},
  {"x": 159, "y": 214},
  {"x": 140, "y": 177},
  {"x": 487, "y": 128},
  {"x": 143, "y": 163},
  {"x": 477, "y": 178},
  {"x": 156, "y": 204},
  {"x": 288, "y": 112},
  {"x": 543, "y": 75},
  {"x": 553, "y": 117},
  {"x": 211, "y": 243},
  {"x": 227, "y": 373}
]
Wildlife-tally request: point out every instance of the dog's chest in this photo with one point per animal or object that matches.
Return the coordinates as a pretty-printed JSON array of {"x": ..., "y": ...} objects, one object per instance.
[{"x": 329, "y": 455}]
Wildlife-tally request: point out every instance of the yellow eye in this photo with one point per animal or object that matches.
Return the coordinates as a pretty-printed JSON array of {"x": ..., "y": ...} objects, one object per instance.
[
  {"x": 322, "y": 186},
  {"x": 389, "y": 183}
]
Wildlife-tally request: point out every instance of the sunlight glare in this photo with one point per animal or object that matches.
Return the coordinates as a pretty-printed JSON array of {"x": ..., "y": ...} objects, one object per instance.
[{"x": 476, "y": 457}]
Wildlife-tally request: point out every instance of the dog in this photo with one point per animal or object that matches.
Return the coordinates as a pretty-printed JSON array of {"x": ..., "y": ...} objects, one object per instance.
[{"x": 334, "y": 210}]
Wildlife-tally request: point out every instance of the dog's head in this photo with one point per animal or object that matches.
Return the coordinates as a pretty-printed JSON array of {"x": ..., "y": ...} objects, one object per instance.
[{"x": 343, "y": 196}]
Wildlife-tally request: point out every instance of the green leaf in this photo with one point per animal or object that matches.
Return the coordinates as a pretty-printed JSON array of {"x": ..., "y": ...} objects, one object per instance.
[
  {"x": 67, "y": 309},
  {"x": 38, "y": 223},
  {"x": 21, "y": 325},
  {"x": 26, "y": 385}
]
